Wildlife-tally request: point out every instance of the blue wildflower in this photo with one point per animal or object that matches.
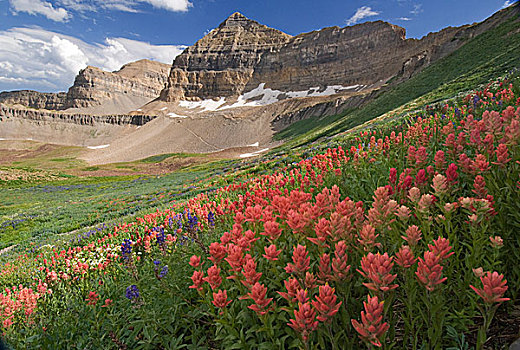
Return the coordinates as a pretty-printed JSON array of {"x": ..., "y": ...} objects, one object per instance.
[
  {"x": 211, "y": 219},
  {"x": 161, "y": 237},
  {"x": 126, "y": 249},
  {"x": 132, "y": 292},
  {"x": 164, "y": 271}
]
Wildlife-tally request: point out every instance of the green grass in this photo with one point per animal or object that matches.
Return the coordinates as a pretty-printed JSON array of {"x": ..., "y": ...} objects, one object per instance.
[
  {"x": 304, "y": 126},
  {"x": 160, "y": 157}
]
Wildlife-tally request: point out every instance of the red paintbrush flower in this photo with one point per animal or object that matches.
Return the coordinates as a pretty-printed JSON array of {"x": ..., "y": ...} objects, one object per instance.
[
  {"x": 429, "y": 271},
  {"x": 326, "y": 304},
  {"x": 371, "y": 329},
  {"x": 494, "y": 288}
]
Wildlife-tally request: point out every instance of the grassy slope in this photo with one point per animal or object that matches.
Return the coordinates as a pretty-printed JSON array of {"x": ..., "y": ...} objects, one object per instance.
[{"x": 482, "y": 58}]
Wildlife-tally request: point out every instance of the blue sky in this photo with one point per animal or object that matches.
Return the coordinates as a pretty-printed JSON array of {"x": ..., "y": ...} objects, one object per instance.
[{"x": 44, "y": 43}]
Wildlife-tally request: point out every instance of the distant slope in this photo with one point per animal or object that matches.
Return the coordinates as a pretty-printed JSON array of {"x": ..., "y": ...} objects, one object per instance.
[{"x": 482, "y": 58}]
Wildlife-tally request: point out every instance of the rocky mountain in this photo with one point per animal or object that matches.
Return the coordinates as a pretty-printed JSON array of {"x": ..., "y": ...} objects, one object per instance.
[
  {"x": 135, "y": 84},
  {"x": 233, "y": 88},
  {"x": 223, "y": 61},
  {"x": 241, "y": 54},
  {"x": 34, "y": 99},
  {"x": 140, "y": 79}
]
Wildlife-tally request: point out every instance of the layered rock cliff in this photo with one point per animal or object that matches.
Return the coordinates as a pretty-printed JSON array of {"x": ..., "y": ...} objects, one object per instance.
[
  {"x": 8, "y": 112},
  {"x": 223, "y": 61},
  {"x": 34, "y": 99},
  {"x": 93, "y": 86},
  {"x": 142, "y": 81},
  {"x": 241, "y": 54}
]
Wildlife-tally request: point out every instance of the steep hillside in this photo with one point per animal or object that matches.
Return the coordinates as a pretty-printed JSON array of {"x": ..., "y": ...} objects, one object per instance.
[{"x": 487, "y": 55}]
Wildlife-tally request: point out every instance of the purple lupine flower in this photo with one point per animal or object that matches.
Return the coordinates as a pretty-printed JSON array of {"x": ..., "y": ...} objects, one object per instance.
[
  {"x": 211, "y": 219},
  {"x": 126, "y": 249},
  {"x": 132, "y": 292},
  {"x": 161, "y": 237},
  {"x": 164, "y": 272}
]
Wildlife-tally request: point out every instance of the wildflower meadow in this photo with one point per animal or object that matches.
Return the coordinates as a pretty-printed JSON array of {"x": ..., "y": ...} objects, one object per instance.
[{"x": 400, "y": 236}]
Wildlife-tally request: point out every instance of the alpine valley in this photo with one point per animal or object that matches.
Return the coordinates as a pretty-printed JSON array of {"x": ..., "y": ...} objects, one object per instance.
[
  {"x": 348, "y": 188},
  {"x": 235, "y": 87}
]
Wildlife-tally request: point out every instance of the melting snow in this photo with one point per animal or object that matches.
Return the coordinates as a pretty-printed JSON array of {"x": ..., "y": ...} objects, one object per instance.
[
  {"x": 247, "y": 155},
  {"x": 173, "y": 115},
  {"x": 261, "y": 96},
  {"x": 269, "y": 96},
  {"x": 254, "y": 144},
  {"x": 98, "y": 147},
  {"x": 164, "y": 108},
  {"x": 206, "y": 105}
]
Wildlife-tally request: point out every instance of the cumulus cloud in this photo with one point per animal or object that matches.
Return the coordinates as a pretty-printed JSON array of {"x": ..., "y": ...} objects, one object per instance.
[
  {"x": 404, "y": 19},
  {"x": 508, "y": 3},
  {"x": 125, "y": 5},
  {"x": 417, "y": 8},
  {"x": 362, "y": 12},
  {"x": 34, "y": 58},
  {"x": 64, "y": 12},
  {"x": 171, "y": 5},
  {"x": 39, "y": 7}
]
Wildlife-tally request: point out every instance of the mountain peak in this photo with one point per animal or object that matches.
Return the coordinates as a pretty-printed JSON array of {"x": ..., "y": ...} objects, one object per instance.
[
  {"x": 238, "y": 30},
  {"x": 237, "y": 20}
]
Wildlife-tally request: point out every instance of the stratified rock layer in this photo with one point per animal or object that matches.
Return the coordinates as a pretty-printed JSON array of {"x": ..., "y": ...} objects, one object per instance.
[
  {"x": 34, "y": 99},
  {"x": 141, "y": 81},
  {"x": 241, "y": 54},
  {"x": 92, "y": 85},
  {"x": 223, "y": 61}
]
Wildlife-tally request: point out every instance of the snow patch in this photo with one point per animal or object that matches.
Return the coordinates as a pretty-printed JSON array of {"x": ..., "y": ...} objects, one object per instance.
[
  {"x": 1, "y": 139},
  {"x": 98, "y": 147},
  {"x": 262, "y": 96},
  {"x": 254, "y": 154},
  {"x": 164, "y": 108},
  {"x": 206, "y": 105},
  {"x": 253, "y": 144},
  {"x": 173, "y": 115}
]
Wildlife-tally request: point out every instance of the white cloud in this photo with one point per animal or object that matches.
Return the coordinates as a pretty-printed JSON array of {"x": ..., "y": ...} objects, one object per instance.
[
  {"x": 171, "y": 5},
  {"x": 34, "y": 58},
  {"x": 63, "y": 13},
  {"x": 417, "y": 8},
  {"x": 508, "y": 3},
  {"x": 361, "y": 13},
  {"x": 39, "y": 7},
  {"x": 125, "y": 5},
  {"x": 404, "y": 19}
]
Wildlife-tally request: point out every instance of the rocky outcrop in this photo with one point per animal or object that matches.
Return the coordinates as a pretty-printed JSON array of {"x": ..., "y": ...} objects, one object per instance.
[
  {"x": 92, "y": 85},
  {"x": 7, "y": 112},
  {"x": 223, "y": 61},
  {"x": 34, "y": 99},
  {"x": 241, "y": 54},
  {"x": 333, "y": 107}
]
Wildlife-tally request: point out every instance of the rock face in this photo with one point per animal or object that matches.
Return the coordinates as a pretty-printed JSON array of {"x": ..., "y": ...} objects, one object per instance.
[
  {"x": 34, "y": 99},
  {"x": 7, "y": 112},
  {"x": 94, "y": 86},
  {"x": 222, "y": 62},
  {"x": 241, "y": 54}
]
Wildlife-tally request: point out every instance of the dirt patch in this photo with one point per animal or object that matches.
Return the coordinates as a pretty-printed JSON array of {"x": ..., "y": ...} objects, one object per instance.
[{"x": 10, "y": 174}]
